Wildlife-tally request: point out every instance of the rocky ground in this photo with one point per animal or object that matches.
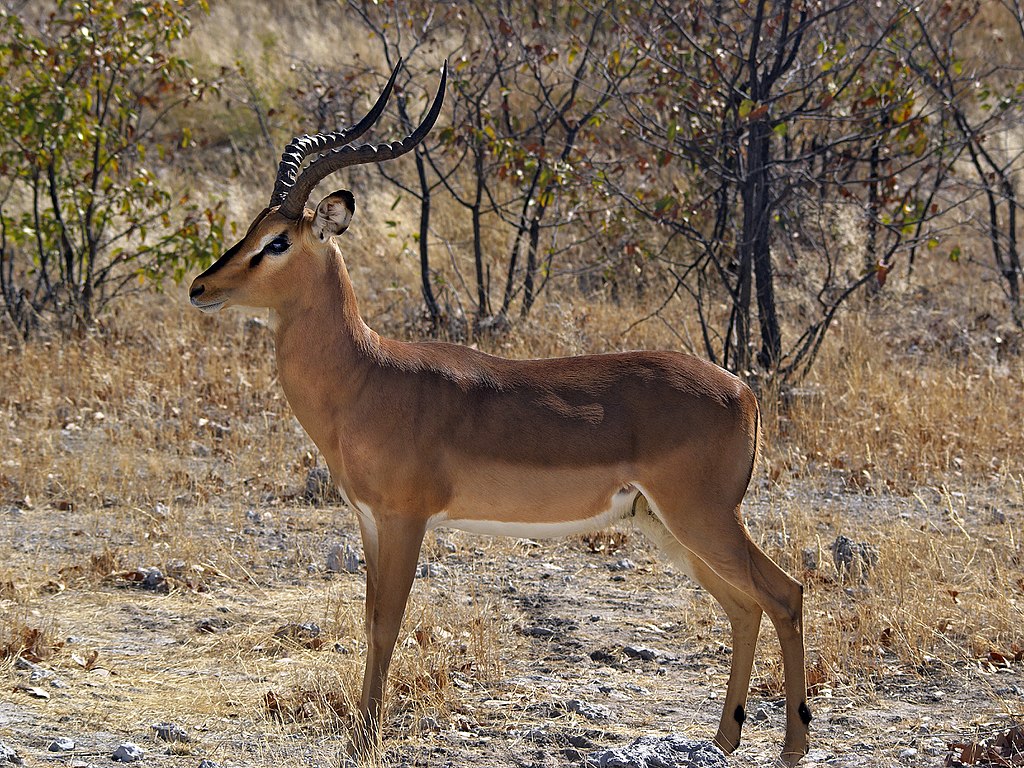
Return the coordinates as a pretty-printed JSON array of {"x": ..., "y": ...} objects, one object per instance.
[{"x": 515, "y": 654}]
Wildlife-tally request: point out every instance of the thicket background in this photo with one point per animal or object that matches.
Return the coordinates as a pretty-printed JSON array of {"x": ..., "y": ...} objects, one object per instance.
[{"x": 820, "y": 196}]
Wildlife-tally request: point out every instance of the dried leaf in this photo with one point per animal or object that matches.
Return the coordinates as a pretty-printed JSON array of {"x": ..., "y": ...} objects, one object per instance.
[
  {"x": 1005, "y": 749},
  {"x": 31, "y": 690},
  {"x": 996, "y": 657}
]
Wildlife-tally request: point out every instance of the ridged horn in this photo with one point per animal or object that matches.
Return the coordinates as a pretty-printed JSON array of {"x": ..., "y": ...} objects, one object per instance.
[
  {"x": 334, "y": 157},
  {"x": 301, "y": 147}
]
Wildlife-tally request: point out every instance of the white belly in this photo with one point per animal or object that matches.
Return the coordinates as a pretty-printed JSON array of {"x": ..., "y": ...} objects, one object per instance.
[{"x": 620, "y": 506}]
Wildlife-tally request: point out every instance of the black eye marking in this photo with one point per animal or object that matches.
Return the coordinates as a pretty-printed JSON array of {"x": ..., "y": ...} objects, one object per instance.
[{"x": 277, "y": 246}]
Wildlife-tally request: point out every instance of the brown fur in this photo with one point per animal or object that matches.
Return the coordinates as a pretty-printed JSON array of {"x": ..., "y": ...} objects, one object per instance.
[{"x": 420, "y": 431}]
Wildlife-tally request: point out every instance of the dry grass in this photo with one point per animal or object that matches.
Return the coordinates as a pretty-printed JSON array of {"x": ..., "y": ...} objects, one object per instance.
[{"x": 163, "y": 440}]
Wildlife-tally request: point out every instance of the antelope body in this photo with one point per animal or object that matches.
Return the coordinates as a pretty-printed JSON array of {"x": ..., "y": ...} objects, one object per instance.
[{"x": 418, "y": 435}]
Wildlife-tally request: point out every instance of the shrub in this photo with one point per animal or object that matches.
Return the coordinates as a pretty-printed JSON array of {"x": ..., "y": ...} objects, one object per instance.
[{"x": 85, "y": 96}]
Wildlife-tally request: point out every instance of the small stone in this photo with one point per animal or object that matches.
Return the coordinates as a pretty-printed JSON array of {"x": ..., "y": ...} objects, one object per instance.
[
  {"x": 256, "y": 326},
  {"x": 306, "y": 635},
  {"x": 255, "y": 517},
  {"x": 661, "y": 752},
  {"x": 810, "y": 559},
  {"x": 429, "y": 723},
  {"x": 212, "y": 624},
  {"x": 127, "y": 753},
  {"x": 153, "y": 578},
  {"x": 541, "y": 632},
  {"x": 625, "y": 564},
  {"x": 171, "y": 732},
  {"x": 204, "y": 763},
  {"x": 850, "y": 556},
  {"x": 40, "y": 674},
  {"x": 27, "y": 666},
  {"x": 447, "y": 545},
  {"x": 909, "y": 753},
  {"x": 8, "y": 755},
  {"x": 593, "y": 712},
  {"x": 31, "y": 690},
  {"x": 536, "y": 735},
  {"x": 429, "y": 570},
  {"x": 343, "y": 559},
  {"x": 580, "y": 741},
  {"x": 760, "y": 715},
  {"x": 318, "y": 488},
  {"x": 642, "y": 652},
  {"x": 62, "y": 744}
]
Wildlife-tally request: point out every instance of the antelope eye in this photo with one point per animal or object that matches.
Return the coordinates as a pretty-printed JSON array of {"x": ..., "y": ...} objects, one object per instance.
[{"x": 279, "y": 244}]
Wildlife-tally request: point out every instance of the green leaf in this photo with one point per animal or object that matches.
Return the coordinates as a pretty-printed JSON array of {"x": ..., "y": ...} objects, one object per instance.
[{"x": 664, "y": 204}]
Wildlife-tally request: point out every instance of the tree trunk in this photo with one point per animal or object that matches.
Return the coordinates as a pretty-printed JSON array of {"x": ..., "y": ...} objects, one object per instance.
[
  {"x": 483, "y": 309},
  {"x": 425, "y": 284},
  {"x": 755, "y": 241},
  {"x": 531, "y": 266}
]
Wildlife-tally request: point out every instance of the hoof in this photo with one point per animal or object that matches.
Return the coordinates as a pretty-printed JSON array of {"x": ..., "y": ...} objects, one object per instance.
[
  {"x": 724, "y": 743},
  {"x": 790, "y": 758}
]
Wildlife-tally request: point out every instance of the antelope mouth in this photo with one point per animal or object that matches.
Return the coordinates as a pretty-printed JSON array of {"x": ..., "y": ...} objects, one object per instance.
[{"x": 209, "y": 307}]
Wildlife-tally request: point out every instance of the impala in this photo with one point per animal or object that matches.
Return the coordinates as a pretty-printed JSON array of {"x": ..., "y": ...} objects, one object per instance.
[{"x": 419, "y": 435}]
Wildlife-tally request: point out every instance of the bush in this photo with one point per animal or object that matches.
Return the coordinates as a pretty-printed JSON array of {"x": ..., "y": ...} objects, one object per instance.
[{"x": 85, "y": 95}]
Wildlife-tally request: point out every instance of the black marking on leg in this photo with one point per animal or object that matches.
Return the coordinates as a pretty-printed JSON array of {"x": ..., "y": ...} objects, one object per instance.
[
  {"x": 804, "y": 712},
  {"x": 739, "y": 715}
]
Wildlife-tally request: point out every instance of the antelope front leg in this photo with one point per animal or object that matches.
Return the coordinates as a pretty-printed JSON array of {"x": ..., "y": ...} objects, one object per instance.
[{"x": 392, "y": 548}]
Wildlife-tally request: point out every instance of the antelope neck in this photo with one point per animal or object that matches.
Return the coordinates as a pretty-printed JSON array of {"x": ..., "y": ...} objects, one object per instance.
[{"x": 324, "y": 349}]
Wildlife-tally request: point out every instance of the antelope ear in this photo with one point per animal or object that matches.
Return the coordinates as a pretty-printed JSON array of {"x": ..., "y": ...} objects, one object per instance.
[{"x": 333, "y": 214}]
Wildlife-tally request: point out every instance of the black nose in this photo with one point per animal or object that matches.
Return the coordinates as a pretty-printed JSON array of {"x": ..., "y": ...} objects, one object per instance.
[{"x": 196, "y": 291}]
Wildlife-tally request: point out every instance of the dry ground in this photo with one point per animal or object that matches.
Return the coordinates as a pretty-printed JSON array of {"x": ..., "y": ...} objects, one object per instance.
[
  {"x": 163, "y": 441},
  {"x": 498, "y": 643}
]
